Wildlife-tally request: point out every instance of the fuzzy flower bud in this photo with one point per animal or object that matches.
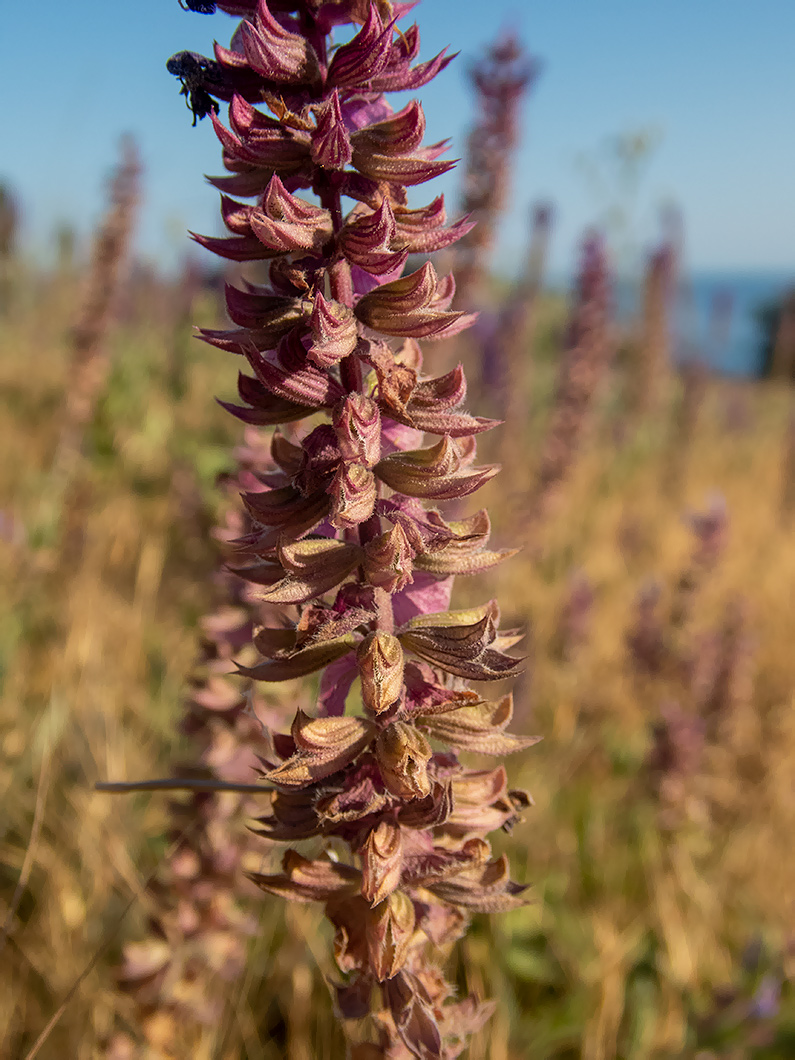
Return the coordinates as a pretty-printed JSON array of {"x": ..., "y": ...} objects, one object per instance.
[
  {"x": 334, "y": 333},
  {"x": 353, "y": 495},
  {"x": 383, "y": 859},
  {"x": 331, "y": 145},
  {"x": 392, "y": 929},
  {"x": 403, "y": 754},
  {"x": 388, "y": 561},
  {"x": 276, "y": 53},
  {"x": 380, "y": 659},
  {"x": 357, "y": 422}
]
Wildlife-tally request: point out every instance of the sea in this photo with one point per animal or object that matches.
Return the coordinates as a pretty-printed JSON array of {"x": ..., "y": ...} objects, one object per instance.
[{"x": 717, "y": 317}]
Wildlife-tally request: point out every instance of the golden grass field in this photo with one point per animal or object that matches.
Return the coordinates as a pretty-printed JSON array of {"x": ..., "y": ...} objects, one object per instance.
[{"x": 656, "y": 931}]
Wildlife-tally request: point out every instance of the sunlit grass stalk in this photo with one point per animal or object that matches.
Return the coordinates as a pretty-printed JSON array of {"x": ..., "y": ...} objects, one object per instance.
[
  {"x": 788, "y": 469},
  {"x": 684, "y": 423},
  {"x": 516, "y": 335},
  {"x": 89, "y": 360},
  {"x": 650, "y": 366},
  {"x": 187, "y": 289},
  {"x": 9, "y": 225}
]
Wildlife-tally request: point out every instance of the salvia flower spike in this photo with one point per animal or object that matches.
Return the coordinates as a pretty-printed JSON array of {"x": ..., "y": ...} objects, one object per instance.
[
  {"x": 581, "y": 370},
  {"x": 177, "y": 975},
  {"x": 501, "y": 79},
  {"x": 345, "y": 532}
]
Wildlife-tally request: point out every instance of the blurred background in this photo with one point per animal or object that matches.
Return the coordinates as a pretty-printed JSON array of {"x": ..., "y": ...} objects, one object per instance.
[
  {"x": 629, "y": 164},
  {"x": 637, "y": 108}
]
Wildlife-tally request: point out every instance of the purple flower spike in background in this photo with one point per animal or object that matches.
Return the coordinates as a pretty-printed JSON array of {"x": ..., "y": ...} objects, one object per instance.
[
  {"x": 501, "y": 79},
  {"x": 341, "y": 537}
]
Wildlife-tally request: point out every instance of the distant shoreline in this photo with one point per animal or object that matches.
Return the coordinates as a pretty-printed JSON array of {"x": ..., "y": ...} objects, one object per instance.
[{"x": 731, "y": 344}]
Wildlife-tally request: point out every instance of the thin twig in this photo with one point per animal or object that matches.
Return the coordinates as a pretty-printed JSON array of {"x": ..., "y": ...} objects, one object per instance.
[{"x": 178, "y": 784}]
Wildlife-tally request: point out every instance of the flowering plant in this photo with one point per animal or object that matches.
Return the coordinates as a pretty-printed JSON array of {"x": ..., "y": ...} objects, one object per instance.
[
  {"x": 501, "y": 78},
  {"x": 341, "y": 539}
]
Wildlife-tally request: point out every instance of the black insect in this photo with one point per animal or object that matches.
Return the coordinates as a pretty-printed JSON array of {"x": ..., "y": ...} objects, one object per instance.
[
  {"x": 203, "y": 7},
  {"x": 197, "y": 76}
]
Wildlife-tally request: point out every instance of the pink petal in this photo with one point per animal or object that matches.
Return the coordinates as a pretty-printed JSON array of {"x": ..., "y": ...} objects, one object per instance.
[
  {"x": 394, "y": 437},
  {"x": 335, "y": 684},
  {"x": 425, "y": 596}
]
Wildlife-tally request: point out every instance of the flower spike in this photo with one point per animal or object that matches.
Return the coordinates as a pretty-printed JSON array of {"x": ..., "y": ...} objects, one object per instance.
[{"x": 338, "y": 535}]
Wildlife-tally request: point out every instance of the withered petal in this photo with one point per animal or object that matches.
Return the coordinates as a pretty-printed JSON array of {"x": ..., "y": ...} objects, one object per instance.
[
  {"x": 323, "y": 746},
  {"x": 478, "y": 728},
  {"x": 301, "y": 663},
  {"x": 304, "y": 880}
]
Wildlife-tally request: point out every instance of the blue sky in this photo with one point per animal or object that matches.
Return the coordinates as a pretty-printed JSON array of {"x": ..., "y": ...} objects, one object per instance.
[{"x": 712, "y": 79}]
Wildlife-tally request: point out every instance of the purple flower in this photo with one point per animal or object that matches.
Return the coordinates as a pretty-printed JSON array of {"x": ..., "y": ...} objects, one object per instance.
[{"x": 338, "y": 530}]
